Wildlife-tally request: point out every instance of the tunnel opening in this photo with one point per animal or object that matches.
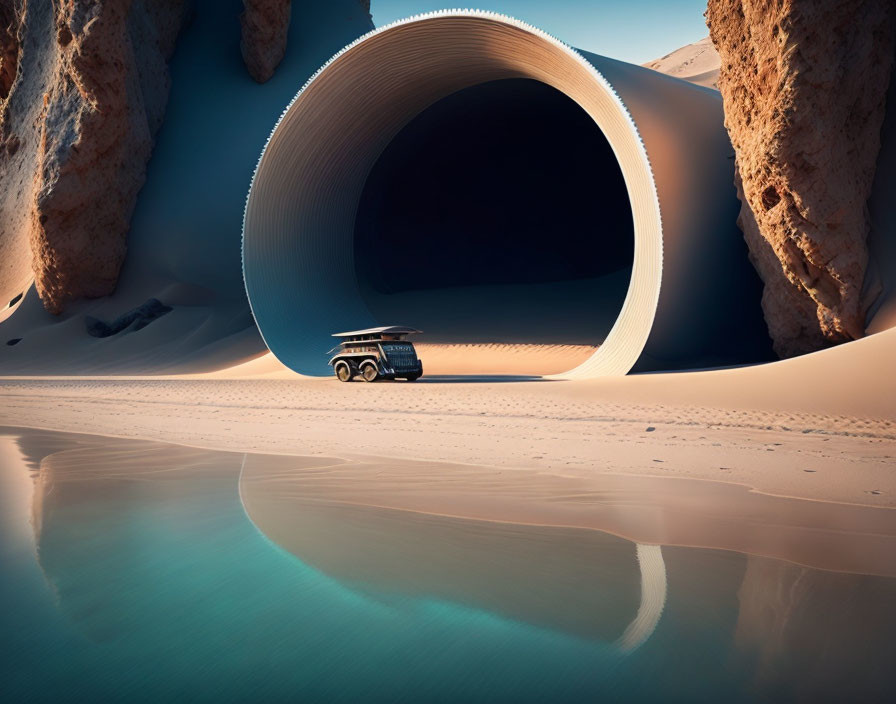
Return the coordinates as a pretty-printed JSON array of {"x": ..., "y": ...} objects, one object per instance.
[
  {"x": 321, "y": 252},
  {"x": 499, "y": 214}
]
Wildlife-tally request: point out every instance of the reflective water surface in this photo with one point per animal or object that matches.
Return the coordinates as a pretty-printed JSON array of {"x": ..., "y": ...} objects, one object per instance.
[{"x": 144, "y": 571}]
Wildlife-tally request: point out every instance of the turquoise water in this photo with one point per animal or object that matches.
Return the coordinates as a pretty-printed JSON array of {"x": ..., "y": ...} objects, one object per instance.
[{"x": 133, "y": 571}]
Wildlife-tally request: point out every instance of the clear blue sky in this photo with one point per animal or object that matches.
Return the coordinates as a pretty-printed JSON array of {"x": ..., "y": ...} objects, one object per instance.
[{"x": 632, "y": 30}]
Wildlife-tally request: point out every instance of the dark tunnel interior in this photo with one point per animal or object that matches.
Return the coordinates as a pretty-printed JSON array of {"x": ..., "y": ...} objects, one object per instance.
[
  {"x": 506, "y": 185},
  {"x": 506, "y": 182}
]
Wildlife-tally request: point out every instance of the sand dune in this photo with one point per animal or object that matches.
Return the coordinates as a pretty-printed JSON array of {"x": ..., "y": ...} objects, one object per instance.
[
  {"x": 502, "y": 359},
  {"x": 495, "y": 359},
  {"x": 698, "y": 63},
  {"x": 848, "y": 380},
  {"x": 822, "y": 426}
]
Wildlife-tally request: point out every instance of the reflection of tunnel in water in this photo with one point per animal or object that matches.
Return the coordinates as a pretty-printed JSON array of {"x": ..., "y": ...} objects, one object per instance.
[{"x": 508, "y": 183}]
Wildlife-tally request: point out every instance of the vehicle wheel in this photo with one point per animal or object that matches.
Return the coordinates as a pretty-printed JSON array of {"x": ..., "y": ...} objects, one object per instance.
[
  {"x": 343, "y": 371},
  {"x": 369, "y": 372}
]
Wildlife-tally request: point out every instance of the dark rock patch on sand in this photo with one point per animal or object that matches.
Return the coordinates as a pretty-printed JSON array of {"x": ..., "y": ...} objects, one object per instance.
[{"x": 134, "y": 320}]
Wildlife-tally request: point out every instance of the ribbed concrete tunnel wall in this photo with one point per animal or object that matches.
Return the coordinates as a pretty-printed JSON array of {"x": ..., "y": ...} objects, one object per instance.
[{"x": 657, "y": 280}]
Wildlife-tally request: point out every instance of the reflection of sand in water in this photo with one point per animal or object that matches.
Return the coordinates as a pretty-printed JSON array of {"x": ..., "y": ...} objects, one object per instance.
[
  {"x": 805, "y": 631},
  {"x": 35, "y": 447},
  {"x": 581, "y": 582},
  {"x": 648, "y": 510},
  {"x": 91, "y": 570},
  {"x": 811, "y": 632}
]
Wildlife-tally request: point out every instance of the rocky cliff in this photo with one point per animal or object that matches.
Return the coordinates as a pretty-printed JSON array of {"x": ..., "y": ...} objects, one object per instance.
[
  {"x": 16, "y": 125},
  {"x": 804, "y": 87},
  {"x": 86, "y": 96},
  {"x": 83, "y": 90},
  {"x": 265, "y": 27},
  {"x": 183, "y": 238},
  {"x": 9, "y": 46}
]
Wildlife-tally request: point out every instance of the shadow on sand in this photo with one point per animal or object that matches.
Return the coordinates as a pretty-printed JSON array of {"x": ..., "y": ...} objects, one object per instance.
[{"x": 479, "y": 378}]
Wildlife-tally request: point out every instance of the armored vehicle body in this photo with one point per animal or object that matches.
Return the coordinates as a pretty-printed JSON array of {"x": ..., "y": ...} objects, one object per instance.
[{"x": 376, "y": 353}]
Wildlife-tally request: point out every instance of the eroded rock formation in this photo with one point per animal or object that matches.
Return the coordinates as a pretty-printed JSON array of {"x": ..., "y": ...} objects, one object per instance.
[
  {"x": 804, "y": 86},
  {"x": 9, "y": 45},
  {"x": 87, "y": 97},
  {"x": 265, "y": 29},
  {"x": 15, "y": 256}
]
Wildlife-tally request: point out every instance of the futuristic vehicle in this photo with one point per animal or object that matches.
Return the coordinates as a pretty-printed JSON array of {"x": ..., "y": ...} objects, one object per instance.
[{"x": 376, "y": 353}]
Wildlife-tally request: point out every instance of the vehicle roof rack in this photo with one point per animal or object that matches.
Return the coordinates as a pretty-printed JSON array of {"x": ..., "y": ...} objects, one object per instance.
[{"x": 388, "y": 329}]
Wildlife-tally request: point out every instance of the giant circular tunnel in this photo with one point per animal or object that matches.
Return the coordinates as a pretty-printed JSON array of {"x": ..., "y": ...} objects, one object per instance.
[{"x": 473, "y": 177}]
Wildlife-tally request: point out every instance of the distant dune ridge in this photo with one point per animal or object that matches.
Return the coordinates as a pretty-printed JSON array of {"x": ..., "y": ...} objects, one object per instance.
[{"x": 698, "y": 63}]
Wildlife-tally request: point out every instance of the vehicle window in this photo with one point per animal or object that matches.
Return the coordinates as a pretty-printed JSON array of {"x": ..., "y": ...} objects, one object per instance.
[{"x": 401, "y": 355}]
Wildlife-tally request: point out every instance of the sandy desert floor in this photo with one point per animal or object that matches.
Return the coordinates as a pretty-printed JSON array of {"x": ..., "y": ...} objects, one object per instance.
[{"x": 821, "y": 427}]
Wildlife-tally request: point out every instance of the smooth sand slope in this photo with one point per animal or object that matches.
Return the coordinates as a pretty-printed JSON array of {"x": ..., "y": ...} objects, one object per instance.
[
  {"x": 698, "y": 63},
  {"x": 822, "y": 426},
  {"x": 472, "y": 359}
]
